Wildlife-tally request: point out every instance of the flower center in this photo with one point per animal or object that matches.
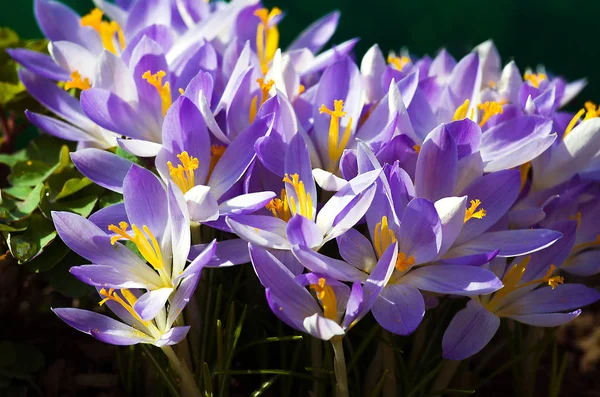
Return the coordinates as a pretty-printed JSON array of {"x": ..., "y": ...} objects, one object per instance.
[
  {"x": 513, "y": 277},
  {"x": 398, "y": 62},
  {"x": 534, "y": 78},
  {"x": 77, "y": 82},
  {"x": 590, "y": 110},
  {"x": 326, "y": 297},
  {"x": 489, "y": 109},
  {"x": 303, "y": 205},
  {"x": 383, "y": 237},
  {"x": 264, "y": 95},
  {"x": 145, "y": 243},
  {"x": 127, "y": 302},
  {"x": 336, "y": 145},
  {"x": 279, "y": 207},
  {"x": 473, "y": 212},
  {"x": 105, "y": 29},
  {"x": 164, "y": 90},
  {"x": 183, "y": 175},
  {"x": 267, "y": 37}
]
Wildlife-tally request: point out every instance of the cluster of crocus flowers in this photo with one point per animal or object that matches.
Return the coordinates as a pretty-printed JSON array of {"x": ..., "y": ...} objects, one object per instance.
[{"x": 424, "y": 175}]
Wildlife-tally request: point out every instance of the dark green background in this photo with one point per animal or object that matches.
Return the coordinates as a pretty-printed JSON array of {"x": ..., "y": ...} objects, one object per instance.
[{"x": 563, "y": 35}]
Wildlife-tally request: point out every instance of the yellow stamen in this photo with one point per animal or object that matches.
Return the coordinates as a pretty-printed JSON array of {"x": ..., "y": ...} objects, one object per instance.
[
  {"x": 150, "y": 250},
  {"x": 77, "y": 82},
  {"x": 279, "y": 207},
  {"x": 327, "y": 298},
  {"x": 164, "y": 91},
  {"x": 398, "y": 62},
  {"x": 417, "y": 149},
  {"x": 589, "y": 244},
  {"x": 534, "y": 78},
  {"x": 267, "y": 37},
  {"x": 524, "y": 170},
  {"x": 301, "y": 89},
  {"x": 492, "y": 84},
  {"x": 461, "y": 111},
  {"x": 590, "y": 110},
  {"x": 489, "y": 109},
  {"x": 472, "y": 211},
  {"x": 336, "y": 145},
  {"x": 383, "y": 236},
  {"x": 183, "y": 175},
  {"x": 105, "y": 29},
  {"x": 216, "y": 152},
  {"x": 304, "y": 205},
  {"x": 127, "y": 303},
  {"x": 264, "y": 95},
  {"x": 403, "y": 263},
  {"x": 181, "y": 91},
  {"x": 511, "y": 282}
]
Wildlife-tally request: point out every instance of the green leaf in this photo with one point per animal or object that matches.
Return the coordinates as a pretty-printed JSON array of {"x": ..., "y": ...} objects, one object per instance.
[
  {"x": 30, "y": 172},
  {"x": 82, "y": 205},
  {"x": 109, "y": 198},
  {"x": 126, "y": 155},
  {"x": 49, "y": 258},
  {"x": 32, "y": 242},
  {"x": 8, "y": 37},
  {"x": 73, "y": 186},
  {"x": 9, "y": 91},
  {"x": 18, "y": 192},
  {"x": 16, "y": 210},
  {"x": 12, "y": 159}
]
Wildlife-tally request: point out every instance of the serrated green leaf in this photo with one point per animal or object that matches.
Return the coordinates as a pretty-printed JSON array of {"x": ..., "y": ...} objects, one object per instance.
[{"x": 73, "y": 185}]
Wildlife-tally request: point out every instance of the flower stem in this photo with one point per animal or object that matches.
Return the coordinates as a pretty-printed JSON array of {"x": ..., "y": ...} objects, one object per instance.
[
  {"x": 188, "y": 386},
  {"x": 341, "y": 378}
]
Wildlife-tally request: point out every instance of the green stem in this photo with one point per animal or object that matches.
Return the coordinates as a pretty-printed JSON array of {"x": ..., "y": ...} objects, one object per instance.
[
  {"x": 341, "y": 378},
  {"x": 188, "y": 386}
]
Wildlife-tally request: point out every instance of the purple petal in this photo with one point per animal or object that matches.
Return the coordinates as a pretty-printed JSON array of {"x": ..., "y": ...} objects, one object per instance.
[
  {"x": 546, "y": 319},
  {"x": 173, "y": 336},
  {"x": 179, "y": 222},
  {"x": 245, "y": 203},
  {"x": 199, "y": 262},
  {"x": 146, "y": 201},
  {"x": 453, "y": 279},
  {"x": 103, "y": 168},
  {"x": 439, "y": 152},
  {"x": 111, "y": 112},
  {"x": 111, "y": 215},
  {"x": 111, "y": 277},
  {"x": 509, "y": 243},
  {"x": 315, "y": 36},
  {"x": 152, "y": 302},
  {"x": 547, "y": 300},
  {"x": 322, "y": 264},
  {"x": 102, "y": 327},
  {"x": 38, "y": 63},
  {"x": 399, "y": 308},
  {"x": 57, "y": 128},
  {"x": 420, "y": 232},
  {"x": 182, "y": 296},
  {"x": 469, "y": 331},
  {"x": 260, "y": 230},
  {"x": 238, "y": 157},
  {"x": 227, "y": 253},
  {"x": 357, "y": 250},
  {"x": 303, "y": 231},
  {"x": 451, "y": 211},
  {"x": 146, "y": 13},
  {"x": 297, "y": 161}
]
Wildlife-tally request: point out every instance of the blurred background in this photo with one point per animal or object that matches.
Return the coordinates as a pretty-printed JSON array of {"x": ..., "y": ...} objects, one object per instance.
[{"x": 560, "y": 34}]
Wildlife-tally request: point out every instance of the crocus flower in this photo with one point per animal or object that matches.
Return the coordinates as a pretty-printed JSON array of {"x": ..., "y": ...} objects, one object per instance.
[
  {"x": 523, "y": 298},
  {"x": 295, "y": 217},
  {"x": 340, "y": 307},
  {"x": 155, "y": 220}
]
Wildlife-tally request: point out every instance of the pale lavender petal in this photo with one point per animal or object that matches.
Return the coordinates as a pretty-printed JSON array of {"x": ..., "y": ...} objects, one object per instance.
[
  {"x": 420, "y": 232},
  {"x": 399, "y": 308},
  {"x": 103, "y": 168},
  {"x": 509, "y": 243},
  {"x": 470, "y": 330},
  {"x": 38, "y": 63},
  {"x": 179, "y": 224},
  {"x": 57, "y": 128},
  {"x": 546, "y": 319},
  {"x": 564, "y": 297},
  {"x": 199, "y": 262},
  {"x": 322, "y": 264},
  {"x": 173, "y": 336},
  {"x": 245, "y": 203},
  {"x": 321, "y": 327},
  {"x": 315, "y": 36},
  {"x": 264, "y": 231},
  {"x": 453, "y": 279},
  {"x": 111, "y": 112},
  {"x": 357, "y": 250},
  {"x": 303, "y": 231},
  {"x": 140, "y": 148},
  {"x": 297, "y": 161},
  {"x": 110, "y": 277},
  {"x": 182, "y": 297},
  {"x": 102, "y": 327},
  {"x": 111, "y": 215},
  {"x": 228, "y": 253},
  {"x": 152, "y": 302},
  {"x": 438, "y": 152}
]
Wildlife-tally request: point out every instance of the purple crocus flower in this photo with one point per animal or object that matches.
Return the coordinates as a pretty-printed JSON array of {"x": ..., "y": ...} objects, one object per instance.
[
  {"x": 295, "y": 218},
  {"x": 155, "y": 220},
  {"x": 523, "y": 298},
  {"x": 340, "y": 307}
]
